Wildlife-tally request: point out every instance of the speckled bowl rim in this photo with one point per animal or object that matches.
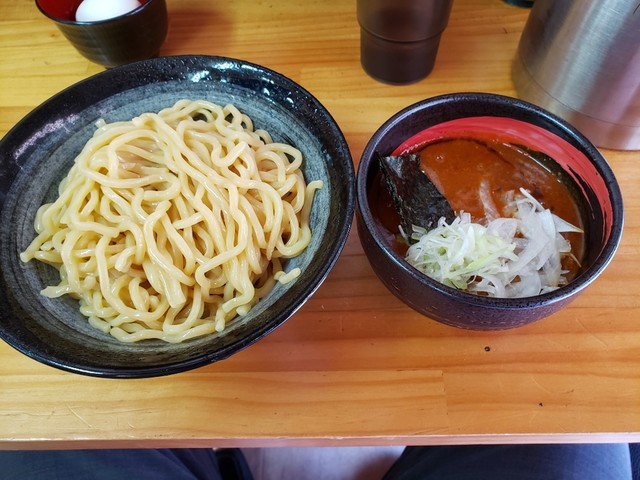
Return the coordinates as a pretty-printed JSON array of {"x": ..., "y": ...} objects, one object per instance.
[{"x": 506, "y": 104}]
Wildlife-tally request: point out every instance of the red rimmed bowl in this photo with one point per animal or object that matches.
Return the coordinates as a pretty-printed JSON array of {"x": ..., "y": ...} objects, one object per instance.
[{"x": 499, "y": 117}]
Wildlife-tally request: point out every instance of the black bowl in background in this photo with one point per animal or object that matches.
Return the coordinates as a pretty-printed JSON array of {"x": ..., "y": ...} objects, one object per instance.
[
  {"x": 39, "y": 151},
  {"x": 602, "y": 202},
  {"x": 136, "y": 35}
]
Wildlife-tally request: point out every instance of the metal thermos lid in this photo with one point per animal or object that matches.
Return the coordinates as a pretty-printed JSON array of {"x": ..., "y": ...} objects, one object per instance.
[{"x": 580, "y": 59}]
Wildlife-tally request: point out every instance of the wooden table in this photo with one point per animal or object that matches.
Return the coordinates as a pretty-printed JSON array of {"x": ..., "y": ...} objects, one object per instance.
[{"x": 354, "y": 366}]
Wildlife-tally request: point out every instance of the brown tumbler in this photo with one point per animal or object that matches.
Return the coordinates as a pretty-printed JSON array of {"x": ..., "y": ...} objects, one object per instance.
[{"x": 399, "y": 39}]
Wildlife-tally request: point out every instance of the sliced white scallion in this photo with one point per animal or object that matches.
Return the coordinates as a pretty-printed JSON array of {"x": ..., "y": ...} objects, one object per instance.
[{"x": 508, "y": 257}]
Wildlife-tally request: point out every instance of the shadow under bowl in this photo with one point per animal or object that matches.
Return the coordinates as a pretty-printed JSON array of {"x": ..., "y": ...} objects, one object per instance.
[
  {"x": 39, "y": 151},
  {"x": 575, "y": 157}
]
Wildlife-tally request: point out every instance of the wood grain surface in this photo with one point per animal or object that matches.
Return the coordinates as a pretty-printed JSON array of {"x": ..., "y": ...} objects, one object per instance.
[{"x": 354, "y": 366}]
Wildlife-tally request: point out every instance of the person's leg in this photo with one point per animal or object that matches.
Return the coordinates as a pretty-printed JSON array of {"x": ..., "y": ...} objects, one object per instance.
[
  {"x": 522, "y": 462},
  {"x": 134, "y": 464},
  {"x": 634, "y": 449}
]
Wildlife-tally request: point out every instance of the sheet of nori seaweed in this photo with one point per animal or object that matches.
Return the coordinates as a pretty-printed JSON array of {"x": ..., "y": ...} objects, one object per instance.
[{"x": 415, "y": 197}]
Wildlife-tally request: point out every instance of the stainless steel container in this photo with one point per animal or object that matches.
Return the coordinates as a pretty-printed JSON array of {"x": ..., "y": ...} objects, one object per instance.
[{"x": 580, "y": 59}]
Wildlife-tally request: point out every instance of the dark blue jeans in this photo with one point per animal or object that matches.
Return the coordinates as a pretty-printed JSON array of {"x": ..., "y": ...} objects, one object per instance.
[
  {"x": 143, "y": 464},
  {"x": 518, "y": 462}
]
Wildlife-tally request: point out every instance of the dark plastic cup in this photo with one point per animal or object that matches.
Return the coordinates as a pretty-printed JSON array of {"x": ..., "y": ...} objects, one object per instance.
[
  {"x": 133, "y": 36},
  {"x": 399, "y": 39}
]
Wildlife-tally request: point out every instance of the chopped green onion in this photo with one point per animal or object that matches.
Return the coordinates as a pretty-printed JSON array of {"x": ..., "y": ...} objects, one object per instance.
[{"x": 508, "y": 257}]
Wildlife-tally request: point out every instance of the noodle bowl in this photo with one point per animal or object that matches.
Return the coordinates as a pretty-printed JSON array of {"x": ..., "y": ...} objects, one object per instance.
[{"x": 170, "y": 225}]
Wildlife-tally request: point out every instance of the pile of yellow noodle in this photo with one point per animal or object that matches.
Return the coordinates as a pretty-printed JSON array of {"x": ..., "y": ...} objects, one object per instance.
[{"x": 171, "y": 224}]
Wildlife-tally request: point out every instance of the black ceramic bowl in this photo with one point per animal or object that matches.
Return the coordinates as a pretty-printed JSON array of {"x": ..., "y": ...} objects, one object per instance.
[
  {"x": 136, "y": 35},
  {"x": 575, "y": 155},
  {"x": 39, "y": 151}
]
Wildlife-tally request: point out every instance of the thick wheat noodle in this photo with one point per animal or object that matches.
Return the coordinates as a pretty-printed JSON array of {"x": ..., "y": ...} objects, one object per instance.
[{"x": 170, "y": 225}]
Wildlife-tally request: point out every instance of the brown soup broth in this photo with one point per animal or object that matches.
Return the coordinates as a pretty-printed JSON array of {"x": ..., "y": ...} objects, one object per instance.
[{"x": 458, "y": 167}]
